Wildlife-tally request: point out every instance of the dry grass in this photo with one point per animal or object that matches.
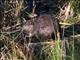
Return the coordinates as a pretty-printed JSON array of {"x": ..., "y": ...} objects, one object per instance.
[{"x": 11, "y": 48}]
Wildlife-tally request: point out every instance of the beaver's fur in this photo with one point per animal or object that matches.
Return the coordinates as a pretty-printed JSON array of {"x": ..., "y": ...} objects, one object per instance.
[{"x": 42, "y": 26}]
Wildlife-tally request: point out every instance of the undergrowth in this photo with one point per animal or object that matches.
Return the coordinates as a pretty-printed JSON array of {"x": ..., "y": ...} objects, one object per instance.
[{"x": 12, "y": 15}]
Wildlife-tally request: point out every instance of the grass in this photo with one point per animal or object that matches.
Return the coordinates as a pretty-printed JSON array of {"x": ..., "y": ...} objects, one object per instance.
[{"x": 67, "y": 48}]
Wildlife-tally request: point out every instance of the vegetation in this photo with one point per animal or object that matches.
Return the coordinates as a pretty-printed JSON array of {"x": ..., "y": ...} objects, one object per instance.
[{"x": 15, "y": 46}]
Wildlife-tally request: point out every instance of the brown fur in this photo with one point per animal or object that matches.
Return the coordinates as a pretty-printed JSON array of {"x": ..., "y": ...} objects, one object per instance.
[{"x": 42, "y": 26}]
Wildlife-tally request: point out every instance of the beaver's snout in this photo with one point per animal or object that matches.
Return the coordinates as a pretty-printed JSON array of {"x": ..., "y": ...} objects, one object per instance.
[{"x": 28, "y": 29}]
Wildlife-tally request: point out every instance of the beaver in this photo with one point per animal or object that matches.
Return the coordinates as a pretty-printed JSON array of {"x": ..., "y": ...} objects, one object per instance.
[{"x": 42, "y": 26}]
